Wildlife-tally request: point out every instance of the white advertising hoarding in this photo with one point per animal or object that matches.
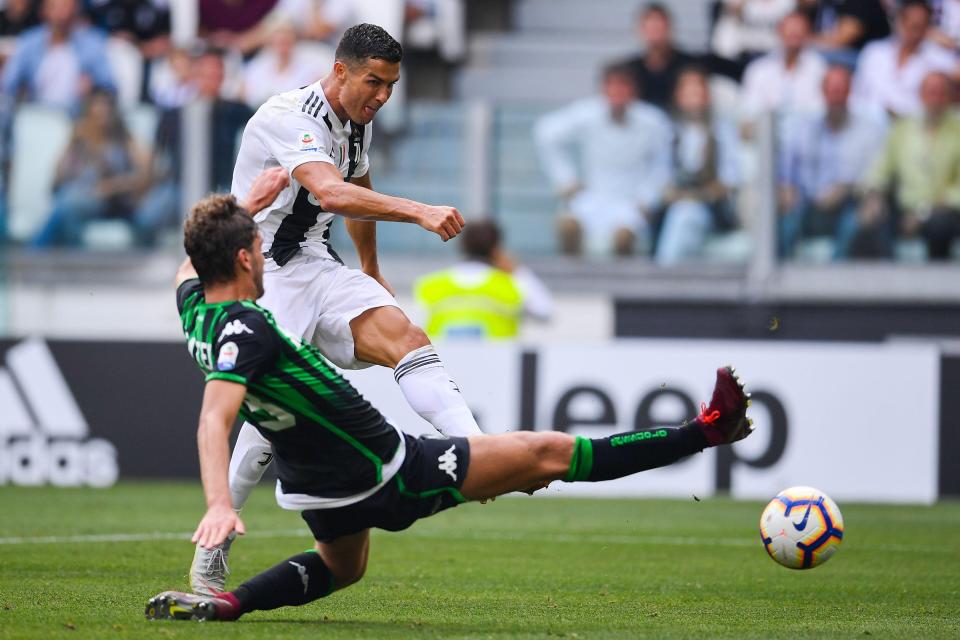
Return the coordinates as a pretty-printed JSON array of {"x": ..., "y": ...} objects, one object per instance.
[{"x": 859, "y": 421}]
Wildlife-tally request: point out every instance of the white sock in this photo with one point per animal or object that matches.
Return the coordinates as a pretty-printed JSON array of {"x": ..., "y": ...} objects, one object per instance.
[
  {"x": 431, "y": 393},
  {"x": 249, "y": 461}
]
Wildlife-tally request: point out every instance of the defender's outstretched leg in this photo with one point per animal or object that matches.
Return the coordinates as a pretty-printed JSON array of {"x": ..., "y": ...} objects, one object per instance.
[{"x": 518, "y": 461}]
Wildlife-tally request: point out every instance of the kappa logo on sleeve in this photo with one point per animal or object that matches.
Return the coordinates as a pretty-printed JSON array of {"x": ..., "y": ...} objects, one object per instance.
[
  {"x": 227, "y": 359},
  {"x": 308, "y": 141},
  {"x": 234, "y": 328}
]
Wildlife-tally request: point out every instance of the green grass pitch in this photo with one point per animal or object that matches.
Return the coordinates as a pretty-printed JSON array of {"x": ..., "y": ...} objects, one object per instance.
[{"x": 517, "y": 568}]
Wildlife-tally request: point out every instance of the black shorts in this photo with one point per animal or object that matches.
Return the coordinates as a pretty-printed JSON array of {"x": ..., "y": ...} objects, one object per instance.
[{"x": 428, "y": 482}]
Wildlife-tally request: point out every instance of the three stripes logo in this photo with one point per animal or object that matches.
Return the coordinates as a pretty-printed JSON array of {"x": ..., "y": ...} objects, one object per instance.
[{"x": 44, "y": 438}]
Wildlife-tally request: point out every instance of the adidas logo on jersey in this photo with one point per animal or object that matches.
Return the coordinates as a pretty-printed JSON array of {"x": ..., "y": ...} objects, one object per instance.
[
  {"x": 43, "y": 435},
  {"x": 448, "y": 463},
  {"x": 234, "y": 328}
]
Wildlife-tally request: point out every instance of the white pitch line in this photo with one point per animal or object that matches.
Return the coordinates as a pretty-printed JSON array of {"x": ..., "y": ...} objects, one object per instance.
[{"x": 504, "y": 536}]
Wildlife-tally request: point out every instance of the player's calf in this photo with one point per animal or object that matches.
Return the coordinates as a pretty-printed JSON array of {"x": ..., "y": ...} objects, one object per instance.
[
  {"x": 296, "y": 581},
  {"x": 518, "y": 461},
  {"x": 722, "y": 422}
]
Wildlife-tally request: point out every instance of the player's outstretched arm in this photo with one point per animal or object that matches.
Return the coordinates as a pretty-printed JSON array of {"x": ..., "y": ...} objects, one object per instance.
[
  {"x": 344, "y": 198},
  {"x": 221, "y": 404},
  {"x": 364, "y": 236}
]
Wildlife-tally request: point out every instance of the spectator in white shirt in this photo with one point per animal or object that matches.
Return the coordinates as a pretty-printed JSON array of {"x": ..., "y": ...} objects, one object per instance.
[
  {"x": 890, "y": 71},
  {"x": 786, "y": 81},
  {"x": 281, "y": 66},
  {"x": 319, "y": 20},
  {"x": 608, "y": 157},
  {"x": 748, "y": 28},
  {"x": 821, "y": 167}
]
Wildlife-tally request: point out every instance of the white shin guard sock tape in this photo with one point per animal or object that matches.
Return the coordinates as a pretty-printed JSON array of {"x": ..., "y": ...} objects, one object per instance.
[
  {"x": 251, "y": 457},
  {"x": 429, "y": 390}
]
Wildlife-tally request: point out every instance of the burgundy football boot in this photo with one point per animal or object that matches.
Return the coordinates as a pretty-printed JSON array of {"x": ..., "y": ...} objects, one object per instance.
[
  {"x": 725, "y": 420},
  {"x": 175, "y": 605}
]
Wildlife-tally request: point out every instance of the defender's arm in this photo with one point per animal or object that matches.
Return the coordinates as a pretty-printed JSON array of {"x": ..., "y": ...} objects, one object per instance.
[
  {"x": 263, "y": 192},
  {"x": 221, "y": 404},
  {"x": 324, "y": 181}
]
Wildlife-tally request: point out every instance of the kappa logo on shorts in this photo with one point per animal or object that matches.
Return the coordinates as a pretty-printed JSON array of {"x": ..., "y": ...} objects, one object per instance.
[
  {"x": 448, "y": 462},
  {"x": 234, "y": 328}
]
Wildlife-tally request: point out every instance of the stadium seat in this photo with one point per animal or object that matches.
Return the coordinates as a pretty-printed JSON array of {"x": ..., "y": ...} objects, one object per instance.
[
  {"x": 40, "y": 135},
  {"x": 733, "y": 246},
  {"x": 910, "y": 250},
  {"x": 141, "y": 120},
  {"x": 107, "y": 235},
  {"x": 818, "y": 250}
]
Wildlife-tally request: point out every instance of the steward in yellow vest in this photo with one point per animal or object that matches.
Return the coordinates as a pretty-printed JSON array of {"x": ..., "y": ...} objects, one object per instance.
[{"x": 485, "y": 297}]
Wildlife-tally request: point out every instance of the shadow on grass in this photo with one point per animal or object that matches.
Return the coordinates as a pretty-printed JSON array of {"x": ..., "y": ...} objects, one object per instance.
[{"x": 386, "y": 629}]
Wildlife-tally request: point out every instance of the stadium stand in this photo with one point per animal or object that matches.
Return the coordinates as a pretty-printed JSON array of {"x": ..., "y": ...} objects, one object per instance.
[{"x": 464, "y": 137}]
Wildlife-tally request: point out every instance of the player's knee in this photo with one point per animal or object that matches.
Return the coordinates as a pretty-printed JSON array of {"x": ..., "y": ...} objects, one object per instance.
[
  {"x": 552, "y": 451},
  {"x": 346, "y": 575},
  {"x": 405, "y": 341}
]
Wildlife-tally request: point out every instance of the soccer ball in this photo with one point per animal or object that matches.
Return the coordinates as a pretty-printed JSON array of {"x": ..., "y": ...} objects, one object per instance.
[{"x": 801, "y": 528}]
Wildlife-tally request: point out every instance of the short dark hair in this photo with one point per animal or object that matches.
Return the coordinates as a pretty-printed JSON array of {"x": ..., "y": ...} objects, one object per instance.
[
  {"x": 619, "y": 69},
  {"x": 218, "y": 227},
  {"x": 652, "y": 8},
  {"x": 480, "y": 239},
  {"x": 364, "y": 41}
]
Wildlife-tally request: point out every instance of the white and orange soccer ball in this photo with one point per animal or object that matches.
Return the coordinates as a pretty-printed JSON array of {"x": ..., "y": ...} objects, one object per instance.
[{"x": 801, "y": 528}]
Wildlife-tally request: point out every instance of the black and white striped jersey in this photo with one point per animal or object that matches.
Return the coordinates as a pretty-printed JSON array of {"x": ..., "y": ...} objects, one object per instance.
[{"x": 289, "y": 130}]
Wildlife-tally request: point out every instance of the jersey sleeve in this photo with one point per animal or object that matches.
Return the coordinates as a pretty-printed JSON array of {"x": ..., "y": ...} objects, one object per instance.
[
  {"x": 295, "y": 138},
  {"x": 245, "y": 349},
  {"x": 189, "y": 293}
]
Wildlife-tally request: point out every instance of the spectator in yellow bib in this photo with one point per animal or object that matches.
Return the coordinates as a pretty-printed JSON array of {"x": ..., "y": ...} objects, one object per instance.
[{"x": 485, "y": 297}]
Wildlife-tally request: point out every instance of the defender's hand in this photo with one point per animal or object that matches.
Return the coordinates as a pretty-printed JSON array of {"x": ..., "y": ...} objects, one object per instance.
[
  {"x": 216, "y": 525},
  {"x": 265, "y": 189},
  {"x": 446, "y": 222}
]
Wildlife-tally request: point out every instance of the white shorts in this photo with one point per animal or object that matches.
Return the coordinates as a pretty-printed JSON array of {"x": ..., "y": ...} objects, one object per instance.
[{"x": 316, "y": 298}]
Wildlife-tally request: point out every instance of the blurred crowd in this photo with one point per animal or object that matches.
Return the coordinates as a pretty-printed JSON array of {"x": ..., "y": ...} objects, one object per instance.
[
  {"x": 862, "y": 93},
  {"x": 863, "y": 104},
  {"x": 103, "y": 63}
]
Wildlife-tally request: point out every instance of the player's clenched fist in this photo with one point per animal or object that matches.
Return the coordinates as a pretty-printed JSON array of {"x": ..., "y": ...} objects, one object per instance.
[{"x": 446, "y": 222}]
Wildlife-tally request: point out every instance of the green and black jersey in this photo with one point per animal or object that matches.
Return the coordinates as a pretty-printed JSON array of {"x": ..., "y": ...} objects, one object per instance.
[{"x": 327, "y": 439}]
